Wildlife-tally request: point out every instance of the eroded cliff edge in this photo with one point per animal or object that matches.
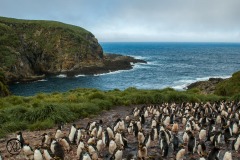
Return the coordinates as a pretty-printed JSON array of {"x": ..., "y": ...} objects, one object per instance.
[{"x": 32, "y": 49}]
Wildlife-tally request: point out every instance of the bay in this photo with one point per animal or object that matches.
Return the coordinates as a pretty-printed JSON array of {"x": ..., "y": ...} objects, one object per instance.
[{"x": 173, "y": 65}]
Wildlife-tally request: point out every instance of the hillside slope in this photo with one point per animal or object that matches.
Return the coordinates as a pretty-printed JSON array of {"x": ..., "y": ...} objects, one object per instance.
[{"x": 32, "y": 48}]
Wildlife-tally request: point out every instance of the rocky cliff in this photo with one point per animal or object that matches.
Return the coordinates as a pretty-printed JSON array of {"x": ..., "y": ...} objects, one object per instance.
[{"x": 32, "y": 49}]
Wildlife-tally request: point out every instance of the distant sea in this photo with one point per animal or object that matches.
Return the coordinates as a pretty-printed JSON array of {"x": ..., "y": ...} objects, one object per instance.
[{"x": 173, "y": 65}]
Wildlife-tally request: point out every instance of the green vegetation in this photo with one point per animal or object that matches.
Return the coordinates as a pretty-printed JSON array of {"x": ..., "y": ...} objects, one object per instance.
[
  {"x": 3, "y": 86},
  {"x": 43, "y": 111},
  {"x": 229, "y": 87},
  {"x": 35, "y": 47}
]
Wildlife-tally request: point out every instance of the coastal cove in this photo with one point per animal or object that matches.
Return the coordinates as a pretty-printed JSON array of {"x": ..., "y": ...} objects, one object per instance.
[{"x": 173, "y": 65}]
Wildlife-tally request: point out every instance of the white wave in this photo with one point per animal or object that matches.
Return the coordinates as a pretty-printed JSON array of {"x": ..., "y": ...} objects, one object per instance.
[
  {"x": 139, "y": 57},
  {"x": 182, "y": 84},
  {"x": 61, "y": 76},
  {"x": 42, "y": 80},
  {"x": 80, "y": 75}
]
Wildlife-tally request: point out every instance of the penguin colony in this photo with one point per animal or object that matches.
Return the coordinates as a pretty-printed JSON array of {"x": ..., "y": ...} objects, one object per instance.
[{"x": 204, "y": 131}]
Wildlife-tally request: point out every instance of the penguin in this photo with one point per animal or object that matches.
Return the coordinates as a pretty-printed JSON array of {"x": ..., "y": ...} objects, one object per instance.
[
  {"x": 20, "y": 138},
  {"x": 181, "y": 153},
  {"x": 125, "y": 141},
  {"x": 85, "y": 156},
  {"x": 37, "y": 154},
  {"x": 65, "y": 143},
  {"x": 236, "y": 144},
  {"x": 57, "y": 150},
  {"x": 142, "y": 119},
  {"x": 117, "y": 155},
  {"x": 142, "y": 151},
  {"x": 227, "y": 134},
  {"x": 99, "y": 131},
  {"x": 163, "y": 145},
  {"x": 59, "y": 133},
  {"x": 80, "y": 148},
  {"x": 91, "y": 149},
  {"x": 100, "y": 145},
  {"x": 105, "y": 138},
  {"x": 130, "y": 128},
  {"x": 47, "y": 155},
  {"x": 234, "y": 127},
  {"x": 140, "y": 137},
  {"x": 227, "y": 156},
  {"x": 46, "y": 139},
  {"x": 127, "y": 118},
  {"x": 79, "y": 135},
  {"x": 72, "y": 134},
  {"x": 135, "y": 129},
  {"x": 28, "y": 151},
  {"x": 154, "y": 134},
  {"x": 94, "y": 131},
  {"x": 202, "y": 134},
  {"x": 91, "y": 140},
  {"x": 175, "y": 128},
  {"x": 201, "y": 148},
  {"x": 175, "y": 142},
  {"x": 118, "y": 139},
  {"x": 217, "y": 139},
  {"x": 112, "y": 146},
  {"x": 214, "y": 154},
  {"x": 192, "y": 144},
  {"x": 147, "y": 140},
  {"x": 211, "y": 131},
  {"x": 186, "y": 136},
  {"x": 110, "y": 132}
]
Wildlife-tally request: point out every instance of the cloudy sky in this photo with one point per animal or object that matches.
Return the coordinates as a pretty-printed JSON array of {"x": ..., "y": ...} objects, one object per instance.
[{"x": 138, "y": 20}]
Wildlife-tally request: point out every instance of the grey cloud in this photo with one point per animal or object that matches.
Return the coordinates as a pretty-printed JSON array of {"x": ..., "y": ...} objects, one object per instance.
[{"x": 138, "y": 20}]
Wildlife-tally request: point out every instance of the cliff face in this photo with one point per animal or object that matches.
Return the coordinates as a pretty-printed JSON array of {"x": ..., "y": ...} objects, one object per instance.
[{"x": 30, "y": 49}]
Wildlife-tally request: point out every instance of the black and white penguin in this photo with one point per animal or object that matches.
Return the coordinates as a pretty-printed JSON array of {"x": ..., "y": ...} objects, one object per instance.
[
  {"x": 175, "y": 142},
  {"x": 100, "y": 145},
  {"x": 234, "y": 127},
  {"x": 110, "y": 132},
  {"x": 217, "y": 139},
  {"x": 192, "y": 144},
  {"x": 201, "y": 148},
  {"x": 37, "y": 154},
  {"x": 112, "y": 146},
  {"x": 59, "y": 133},
  {"x": 46, "y": 139},
  {"x": 80, "y": 148},
  {"x": 163, "y": 145},
  {"x": 57, "y": 150},
  {"x": 236, "y": 144},
  {"x": 28, "y": 151},
  {"x": 125, "y": 141},
  {"x": 142, "y": 151},
  {"x": 140, "y": 137},
  {"x": 46, "y": 154},
  {"x": 202, "y": 134},
  {"x": 105, "y": 138},
  {"x": 65, "y": 143},
  {"x": 227, "y": 134},
  {"x": 73, "y": 134},
  {"x": 154, "y": 134},
  {"x": 20, "y": 138},
  {"x": 80, "y": 133},
  {"x": 85, "y": 156},
  {"x": 214, "y": 154},
  {"x": 135, "y": 129},
  {"x": 181, "y": 153},
  {"x": 147, "y": 141},
  {"x": 117, "y": 155},
  {"x": 227, "y": 156}
]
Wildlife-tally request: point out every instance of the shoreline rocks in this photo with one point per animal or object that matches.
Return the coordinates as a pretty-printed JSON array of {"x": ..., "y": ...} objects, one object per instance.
[{"x": 206, "y": 87}]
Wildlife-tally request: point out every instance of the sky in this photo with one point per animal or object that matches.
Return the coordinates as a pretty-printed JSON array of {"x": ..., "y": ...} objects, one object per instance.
[{"x": 138, "y": 20}]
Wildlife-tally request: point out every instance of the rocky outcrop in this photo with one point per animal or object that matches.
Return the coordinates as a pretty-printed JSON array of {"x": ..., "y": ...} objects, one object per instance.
[
  {"x": 206, "y": 87},
  {"x": 31, "y": 50}
]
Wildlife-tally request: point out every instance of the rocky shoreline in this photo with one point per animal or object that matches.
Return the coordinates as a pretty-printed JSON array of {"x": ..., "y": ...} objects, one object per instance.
[{"x": 206, "y": 87}]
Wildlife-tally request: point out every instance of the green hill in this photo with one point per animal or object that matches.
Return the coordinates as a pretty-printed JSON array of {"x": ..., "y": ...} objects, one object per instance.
[
  {"x": 229, "y": 87},
  {"x": 31, "y": 48}
]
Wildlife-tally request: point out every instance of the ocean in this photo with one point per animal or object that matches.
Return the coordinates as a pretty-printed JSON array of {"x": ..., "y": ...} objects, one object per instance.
[{"x": 174, "y": 65}]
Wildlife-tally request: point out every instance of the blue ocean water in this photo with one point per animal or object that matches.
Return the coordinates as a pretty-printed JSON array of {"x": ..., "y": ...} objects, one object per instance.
[{"x": 168, "y": 65}]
